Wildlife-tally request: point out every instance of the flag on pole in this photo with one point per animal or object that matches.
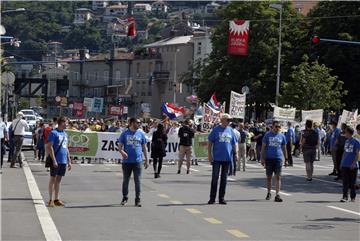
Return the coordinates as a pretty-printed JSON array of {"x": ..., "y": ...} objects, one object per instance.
[
  {"x": 213, "y": 103},
  {"x": 172, "y": 111}
]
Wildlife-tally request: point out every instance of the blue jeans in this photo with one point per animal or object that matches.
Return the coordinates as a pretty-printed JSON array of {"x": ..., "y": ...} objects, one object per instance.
[
  {"x": 215, "y": 176},
  {"x": 127, "y": 169}
]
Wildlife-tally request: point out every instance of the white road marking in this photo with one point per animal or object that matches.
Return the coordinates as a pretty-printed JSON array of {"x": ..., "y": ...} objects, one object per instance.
[
  {"x": 325, "y": 167},
  {"x": 314, "y": 178},
  {"x": 344, "y": 210},
  {"x": 110, "y": 165},
  {"x": 204, "y": 165},
  {"x": 282, "y": 193},
  {"x": 47, "y": 224},
  {"x": 191, "y": 169},
  {"x": 86, "y": 165},
  {"x": 36, "y": 164}
]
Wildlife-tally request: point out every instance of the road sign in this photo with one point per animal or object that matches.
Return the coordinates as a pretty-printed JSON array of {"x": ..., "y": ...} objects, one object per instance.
[{"x": 7, "y": 78}]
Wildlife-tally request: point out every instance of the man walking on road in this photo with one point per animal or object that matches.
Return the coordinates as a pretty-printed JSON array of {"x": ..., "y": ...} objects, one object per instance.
[
  {"x": 186, "y": 134},
  {"x": 349, "y": 165},
  {"x": 272, "y": 151},
  {"x": 132, "y": 144},
  {"x": 290, "y": 140},
  {"x": 19, "y": 127},
  {"x": 59, "y": 153},
  {"x": 222, "y": 146}
]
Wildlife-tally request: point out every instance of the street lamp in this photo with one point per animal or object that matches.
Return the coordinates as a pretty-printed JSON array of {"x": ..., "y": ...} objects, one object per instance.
[
  {"x": 176, "y": 51},
  {"x": 280, "y": 8}
]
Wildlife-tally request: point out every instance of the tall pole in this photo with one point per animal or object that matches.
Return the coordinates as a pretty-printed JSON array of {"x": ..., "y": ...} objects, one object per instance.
[
  {"x": 176, "y": 51},
  {"x": 279, "y": 61}
]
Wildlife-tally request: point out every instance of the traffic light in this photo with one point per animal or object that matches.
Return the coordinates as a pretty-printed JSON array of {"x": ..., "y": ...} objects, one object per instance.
[{"x": 315, "y": 39}]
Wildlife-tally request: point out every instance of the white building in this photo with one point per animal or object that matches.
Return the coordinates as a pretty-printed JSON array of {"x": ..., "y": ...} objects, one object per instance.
[
  {"x": 82, "y": 15},
  {"x": 118, "y": 10},
  {"x": 211, "y": 7},
  {"x": 99, "y": 5},
  {"x": 140, "y": 8},
  {"x": 159, "y": 6}
]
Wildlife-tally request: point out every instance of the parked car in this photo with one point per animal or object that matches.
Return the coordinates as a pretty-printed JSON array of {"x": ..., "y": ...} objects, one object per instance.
[
  {"x": 31, "y": 120},
  {"x": 28, "y": 112}
]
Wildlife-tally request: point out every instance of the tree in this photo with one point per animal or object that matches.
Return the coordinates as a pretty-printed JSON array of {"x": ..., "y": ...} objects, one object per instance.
[
  {"x": 223, "y": 73},
  {"x": 83, "y": 36},
  {"x": 311, "y": 86},
  {"x": 344, "y": 60}
]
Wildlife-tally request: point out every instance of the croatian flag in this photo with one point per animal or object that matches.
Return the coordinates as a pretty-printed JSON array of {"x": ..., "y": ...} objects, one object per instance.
[
  {"x": 172, "y": 111},
  {"x": 213, "y": 103}
]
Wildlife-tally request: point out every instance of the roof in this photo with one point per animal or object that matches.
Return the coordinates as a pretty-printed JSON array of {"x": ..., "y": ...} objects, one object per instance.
[
  {"x": 170, "y": 41},
  {"x": 117, "y": 6}
]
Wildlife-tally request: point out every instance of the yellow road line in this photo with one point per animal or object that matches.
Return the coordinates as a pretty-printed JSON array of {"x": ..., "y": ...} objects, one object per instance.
[
  {"x": 237, "y": 233},
  {"x": 213, "y": 220},
  {"x": 176, "y": 202},
  {"x": 163, "y": 195},
  {"x": 193, "y": 210}
]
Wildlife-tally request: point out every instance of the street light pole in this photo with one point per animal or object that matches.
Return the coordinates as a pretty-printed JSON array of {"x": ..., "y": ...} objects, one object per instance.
[
  {"x": 176, "y": 51},
  {"x": 279, "y": 60}
]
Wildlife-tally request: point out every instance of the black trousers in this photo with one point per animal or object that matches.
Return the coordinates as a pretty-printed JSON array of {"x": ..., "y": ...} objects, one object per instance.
[
  {"x": 349, "y": 181},
  {"x": 224, "y": 166},
  {"x": 155, "y": 164},
  {"x": 2, "y": 150},
  {"x": 339, "y": 154},
  {"x": 288, "y": 149}
]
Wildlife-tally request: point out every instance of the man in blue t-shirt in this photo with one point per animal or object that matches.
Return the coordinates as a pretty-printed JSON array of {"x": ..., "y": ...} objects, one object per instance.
[
  {"x": 272, "y": 151},
  {"x": 333, "y": 137},
  {"x": 132, "y": 144},
  {"x": 290, "y": 140},
  {"x": 349, "y": 164},
  {"x": 59, "y": 153},
  {"x": 222, "y": 146}
]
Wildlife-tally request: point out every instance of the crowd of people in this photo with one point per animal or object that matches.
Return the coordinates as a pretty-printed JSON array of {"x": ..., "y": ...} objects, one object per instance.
[{"x": 231, "y": 144}]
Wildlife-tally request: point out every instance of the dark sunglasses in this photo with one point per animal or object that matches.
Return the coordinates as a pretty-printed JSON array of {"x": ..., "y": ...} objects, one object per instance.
[{"x": 277, "y": 126}]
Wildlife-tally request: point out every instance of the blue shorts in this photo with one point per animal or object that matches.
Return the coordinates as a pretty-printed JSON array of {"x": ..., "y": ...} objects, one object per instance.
[
  {"x": 273, "y": 166},
  {"x": 59, "y": 171}
]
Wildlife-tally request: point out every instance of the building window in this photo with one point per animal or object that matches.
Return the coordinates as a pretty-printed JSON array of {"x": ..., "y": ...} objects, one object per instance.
[
  {"x": 138, "y": 69},
  {"x": 150, "y": 70},
  {"x": 76, "y": 76},
  {"x": 106, "y": 75},
  {"x": 199, "y": 48},
  {"x": 118, "y": 77},
  {"x": 171, "y": 65},
  {"x": 96, "y": 75},
  {"x": 87, "y": 77},
  {"x": 149, "y": 93}
]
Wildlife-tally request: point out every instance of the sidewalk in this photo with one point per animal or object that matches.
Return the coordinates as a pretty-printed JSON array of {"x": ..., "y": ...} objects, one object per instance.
[{"x": 18, "y": 216}]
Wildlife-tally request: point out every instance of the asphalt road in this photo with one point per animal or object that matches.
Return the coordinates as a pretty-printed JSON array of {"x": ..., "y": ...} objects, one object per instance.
[{"x": 175, "y": 206}]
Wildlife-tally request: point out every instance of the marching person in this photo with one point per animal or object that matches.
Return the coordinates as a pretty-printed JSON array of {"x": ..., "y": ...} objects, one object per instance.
[
  {"x": 290, "y": 140},
  {"x": 186, "y": 134},
  {"x": 222, "y": 146},
  {"x": 19, "y": 127},
  {"x": 132, "y": 144},
  {"x": 349, "y": 165},
  {"x": 242, "y": 147},
  {"x": 309, "y": 143},
  {"x": 4, "y": 138},
  {"x": 59, "y": 153},
  {"x": 158, "y": 148},
  {"x": 272, "y": 151}
]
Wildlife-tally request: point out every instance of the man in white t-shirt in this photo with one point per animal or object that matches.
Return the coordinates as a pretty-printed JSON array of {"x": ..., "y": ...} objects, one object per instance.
[{"x": 19, "y": 127}]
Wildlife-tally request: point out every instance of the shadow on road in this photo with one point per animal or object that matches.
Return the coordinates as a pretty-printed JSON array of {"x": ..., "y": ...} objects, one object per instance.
[{"x": 335, "y": 219}]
